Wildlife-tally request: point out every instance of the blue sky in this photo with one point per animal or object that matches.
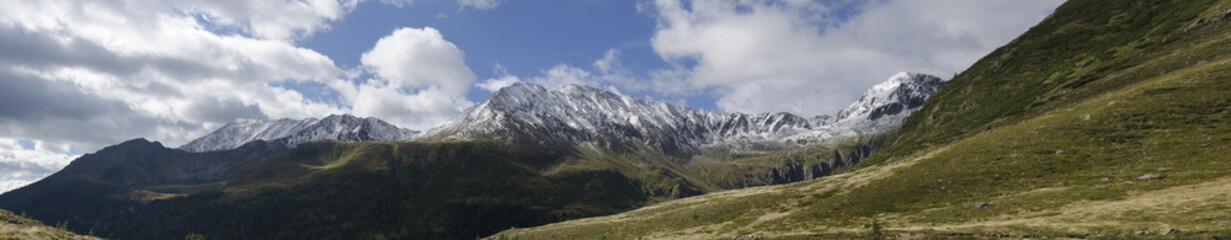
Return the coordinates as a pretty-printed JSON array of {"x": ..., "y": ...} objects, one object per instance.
[
  {"x": 544, "y": 33},
  {"x": 79, "y": 75}
]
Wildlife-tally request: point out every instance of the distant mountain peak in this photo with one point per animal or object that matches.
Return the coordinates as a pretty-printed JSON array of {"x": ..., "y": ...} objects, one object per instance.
[
  {"x": 140, "y": 142},
  {"x": 903, "y": 92},
  {"x": 290, "y": 132}
]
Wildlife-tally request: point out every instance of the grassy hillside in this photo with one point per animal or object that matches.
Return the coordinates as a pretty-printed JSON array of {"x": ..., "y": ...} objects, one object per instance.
[
  {"x": 1084, "y": 49},
  {"x": 17, "y": 227},
  {"x": 1110, "y": 119}
]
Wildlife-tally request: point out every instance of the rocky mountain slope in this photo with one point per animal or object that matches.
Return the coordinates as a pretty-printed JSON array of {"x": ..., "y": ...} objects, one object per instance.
[
  {"x": 290, "y": 133},
  {"x": 1107, "y": 120},
  {"x": 885, "y": 105}
]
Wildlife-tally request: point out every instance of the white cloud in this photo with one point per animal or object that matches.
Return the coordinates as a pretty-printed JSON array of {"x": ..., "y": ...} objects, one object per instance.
[
  {"x": 419, "y": 57},
  {"x": 279, "y": 20},
  {"x": 79, "y": 75},
  {"x": 420, "y": 109},
  {"x": 503, "y": 79},
  {"x": 479, "y": 4},
  {"x": 20, "y": 166},
  {"x": 562, "y": 74},
  {"x": 609, "y": 62},
  {"x": 798, "y": 56},
  {"x": 609, "y": 74},
  {"x": 495, "y": 84},
  {"x": 422, "y": 79},
  {"x": 148, "y": 71}
]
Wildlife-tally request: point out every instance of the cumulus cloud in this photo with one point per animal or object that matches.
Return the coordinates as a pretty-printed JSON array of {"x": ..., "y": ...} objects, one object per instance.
[
  {"x": 421, "y": 79},
  {"x": 419, "y": 57},
  {"x": 22, "y": 165},
  {"x": 805, "y": 57},
  {"x": 106, "y": 73},
  {"x": 79, "y": 75},
  {"x": 503, "y": 79},
  {"x": 282, "y": 20}
]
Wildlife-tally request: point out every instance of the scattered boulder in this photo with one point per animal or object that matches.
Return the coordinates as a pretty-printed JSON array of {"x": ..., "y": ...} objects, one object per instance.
[
  {"x": 1148, "y": 177},
  {"x": 744, "y": 237},
  {"x": 983, "y": 205},
  {"x": 1059, "y": 151},
  {"x": 1164, "y": 169},
  {"x": 1168, "y": 231}
]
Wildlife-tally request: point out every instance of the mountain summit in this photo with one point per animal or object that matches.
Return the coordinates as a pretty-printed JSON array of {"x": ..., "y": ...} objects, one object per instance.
[
  {"x": 290, "y": 132},
  {"x": 887, "y": 103}
]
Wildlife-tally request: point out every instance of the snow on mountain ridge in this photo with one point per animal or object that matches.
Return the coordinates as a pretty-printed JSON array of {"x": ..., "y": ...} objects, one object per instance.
[
  {"x": 576, "y": 114},
  {"x": 290, "y": 132}
]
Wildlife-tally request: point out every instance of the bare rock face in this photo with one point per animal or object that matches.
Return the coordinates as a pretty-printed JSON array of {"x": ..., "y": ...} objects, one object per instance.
[{"x": 1149, "y": 177}]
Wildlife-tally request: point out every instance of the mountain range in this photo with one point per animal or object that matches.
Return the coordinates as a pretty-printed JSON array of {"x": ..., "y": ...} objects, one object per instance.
[
  {"x": 574, "y": 114},
  {"x": 528, "y": 153}
]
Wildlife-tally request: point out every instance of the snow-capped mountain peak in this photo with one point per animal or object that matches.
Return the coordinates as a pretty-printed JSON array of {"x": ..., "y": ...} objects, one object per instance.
[
  {"x": 290, "y": 132},
  {"x": 904, "y": 91}
]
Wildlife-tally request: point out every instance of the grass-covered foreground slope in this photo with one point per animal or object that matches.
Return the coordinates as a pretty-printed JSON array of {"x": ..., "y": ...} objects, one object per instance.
[
  {"x": 1110, "y": 119},
  {"x": 17, "y": 227}
]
